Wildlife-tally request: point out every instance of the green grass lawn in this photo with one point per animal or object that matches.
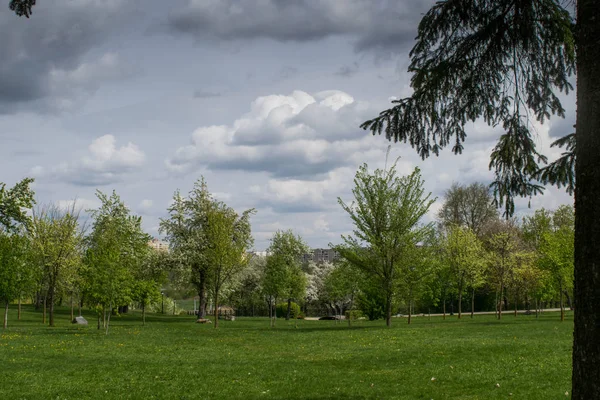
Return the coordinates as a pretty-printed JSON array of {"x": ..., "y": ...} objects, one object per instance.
[{"x": 174, "y": 358}]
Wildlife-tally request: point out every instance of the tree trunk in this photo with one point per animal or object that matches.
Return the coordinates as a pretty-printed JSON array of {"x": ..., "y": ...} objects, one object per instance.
[
  {"x": 216, "y": 308},
  {"x": 72, "y": 309},
  {"x": 202, "y": 295},
  {"x": 289, "y": 308},
  {"x": 143, "y": 313},
  {"x": 562, "y": 306},
  {"x": 501, "y": 300},
  {"x": 19, "y": 309},
  {"x": 537, "y": 308},
  {"x": 79, "y": 304},
  {"x": 459, "y": 304},
  {"x": 409, "y": 311},
  {"x": 108, "y": 319},
  {"x": 5, "y": 325},
  {"x": 586, "y": 345},
  {"x": 516, "y": 304},
  {"x": 388, "y": 309},
  {"x": 472, "y": 303},
  {"x": 51, "y": 306},
  {"x": 44, "y": 312},
  {"x": 444, "y": 308}
]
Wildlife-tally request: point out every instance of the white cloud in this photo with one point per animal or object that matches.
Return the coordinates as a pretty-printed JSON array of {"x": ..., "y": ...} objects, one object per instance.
[{"x": 103, "y": 163}]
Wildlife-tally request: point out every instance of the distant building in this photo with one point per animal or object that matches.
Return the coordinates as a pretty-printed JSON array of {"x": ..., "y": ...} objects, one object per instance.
[
  {"x": 321, "y": 256},
  {"x": 158, "y": 244}
]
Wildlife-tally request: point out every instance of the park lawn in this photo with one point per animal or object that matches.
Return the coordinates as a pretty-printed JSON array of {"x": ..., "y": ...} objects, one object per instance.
[{"x": 174, "y": 358}]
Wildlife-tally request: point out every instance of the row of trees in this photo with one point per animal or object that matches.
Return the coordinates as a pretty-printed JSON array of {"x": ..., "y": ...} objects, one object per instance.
[{"x": 49, "y": 256}]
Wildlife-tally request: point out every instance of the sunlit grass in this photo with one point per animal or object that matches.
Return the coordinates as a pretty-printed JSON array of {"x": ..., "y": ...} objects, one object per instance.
[{"x": 174, "y": 358}]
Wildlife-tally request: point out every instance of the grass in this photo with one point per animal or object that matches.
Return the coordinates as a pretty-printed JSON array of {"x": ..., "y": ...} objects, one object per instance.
[{"x": 173, "y": 358}]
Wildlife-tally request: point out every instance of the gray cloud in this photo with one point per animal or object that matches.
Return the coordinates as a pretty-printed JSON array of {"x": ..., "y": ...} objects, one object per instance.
[
  {"x": 53, "y": 44},
  {"x": 347, "y": 71},
  {"x": 384, "y": 26}
]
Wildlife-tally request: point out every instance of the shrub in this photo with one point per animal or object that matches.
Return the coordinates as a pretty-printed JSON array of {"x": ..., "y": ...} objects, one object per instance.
[{"x": 281, "y": 310}]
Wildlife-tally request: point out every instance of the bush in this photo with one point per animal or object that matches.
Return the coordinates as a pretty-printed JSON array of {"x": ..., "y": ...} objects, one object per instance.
[
  {"x": 281, "y": 310},
  {"x": 301, "y": 315}
]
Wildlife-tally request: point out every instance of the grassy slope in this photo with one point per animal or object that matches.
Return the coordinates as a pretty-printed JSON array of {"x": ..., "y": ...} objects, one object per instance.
[{"x": 173, "y": 358}]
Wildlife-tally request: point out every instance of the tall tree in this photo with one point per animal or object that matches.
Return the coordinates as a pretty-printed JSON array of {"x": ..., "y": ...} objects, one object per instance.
[
  {"x": 386, "y": 212},
  {"x": 470, "y": 206},
  {"x": 229, "y": 238},
  {"x": 58, "y": 244},
  {"x": 504, "y": 61},
  {"x": 284, "y": 262},
  {"x": 185, "y": 230},
  {"x": 116, "y": 247}
]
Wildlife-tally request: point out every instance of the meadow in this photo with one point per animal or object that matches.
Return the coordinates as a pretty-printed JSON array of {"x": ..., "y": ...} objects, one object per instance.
[{"x": 174, "y": 358}]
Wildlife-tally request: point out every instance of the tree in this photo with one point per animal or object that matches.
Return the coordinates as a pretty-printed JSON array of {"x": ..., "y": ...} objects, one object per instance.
[
  {"x": 284, "y": 264},
  {"x": 148, "y": 276},
  {"x": 470, "y": 206},
  {"x": 385, "y": 212},
  {"x": 502, "y": 243},
  {"x": 503, "y": 61},
  {"x": 22, "y": 7},
  {"x": 185, "y": 230},
  {"x": 229, "y": 238},
  {"x": 14, "y": 203},
  {"x": 342, "y": 285},
  {"x": 464, "y": 255},
  {"x": 57, "y": 243},
  {"x": 416, "y": 265},
  {"x": 116, "y": 247},
  {"x": 16, "y": 272}
]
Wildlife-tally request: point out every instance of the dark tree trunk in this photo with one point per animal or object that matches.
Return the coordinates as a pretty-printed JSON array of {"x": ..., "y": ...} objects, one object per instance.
[
  {"x": 586, "y": 346},
  {"x": 289, "y": 309},
  {"x": 143, "y": 313},
  {"x": 561, "y": 304},
  {"x": 444, "y": 308},
  {"x": 19, "y": 309},
  {"x": 51, "y": 306},
  {"x": 44, "y": 312},
  {"x": 72, "y": 309},
  {"x": 388, "y": 310},
  {"x": 5, "y": 324},
  {"x": 472, "y": 303},
  {"x": 216, "y": 309},
  {"x": 409, "y": 311},
  {"x": 202, "y": 293}
]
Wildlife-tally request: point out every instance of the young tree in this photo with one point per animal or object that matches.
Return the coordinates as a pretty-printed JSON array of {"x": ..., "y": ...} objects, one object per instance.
[
  {"x": 229, "y": 237},
  {"x": 504, "y": 61},
  {"x": 386, "y": 212},
  {"x": 117, "y": 246},
  {"x": 464, "y": 254},
  {"x": 284, "y": 263},
  {"x": 148, "y": 277},
  {"x": 57, "y": 242},
  {"x": 416, "y": 266},
  {"x": 502, "y": 243},
  {"x": 342, "y": 285},
  {"x": 16, "y": 272}
]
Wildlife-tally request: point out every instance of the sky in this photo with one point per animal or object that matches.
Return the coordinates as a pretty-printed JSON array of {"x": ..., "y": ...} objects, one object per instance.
[{"x": 264, "y": 98}]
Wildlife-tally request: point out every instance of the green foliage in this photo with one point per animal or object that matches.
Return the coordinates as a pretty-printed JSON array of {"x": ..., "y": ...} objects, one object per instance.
[
  {"x": 501, "y": 61},
  {"x": 14, "y": 203},
  {"x": 386, "y": 212},
  {"x": 281, "y": 310},
  {"x": 284, "y": 277},
  {"x": 117, "y": 246},
  {"x": 16, "y": 270}
]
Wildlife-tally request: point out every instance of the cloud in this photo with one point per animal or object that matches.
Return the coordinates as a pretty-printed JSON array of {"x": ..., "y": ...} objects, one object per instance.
[
  {"x": 80, "y": 204},
  {"x": 299, "y": 135},
  {"x": 348, "y": 71},
  {"x": 43, "y": 56},
  {"x": 382, "y": 25},
  {"x": 145, "y": 205},
  {"x": 102, "y": 164}
]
